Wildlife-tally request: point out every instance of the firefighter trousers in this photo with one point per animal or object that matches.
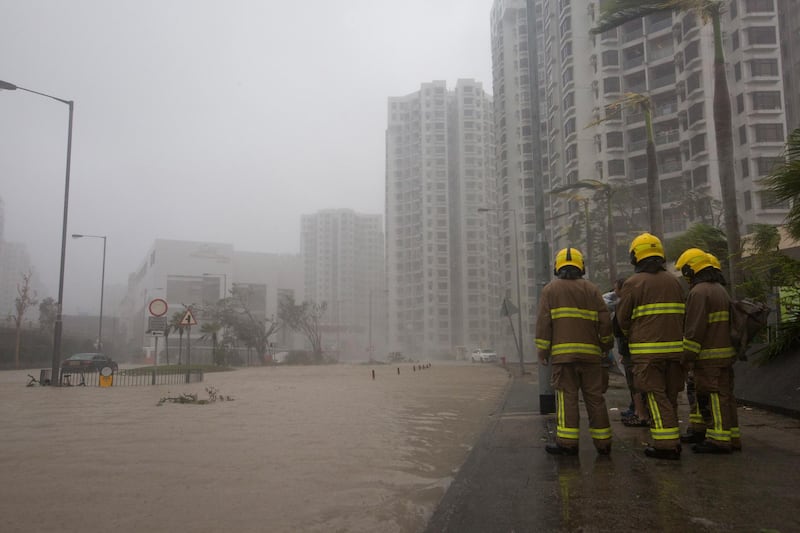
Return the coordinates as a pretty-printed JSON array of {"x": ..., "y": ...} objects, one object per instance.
[
  {"x": 719, "y": 418},
  {"x": 592, "y": 380},
  {"x": 661, "y": 380}
]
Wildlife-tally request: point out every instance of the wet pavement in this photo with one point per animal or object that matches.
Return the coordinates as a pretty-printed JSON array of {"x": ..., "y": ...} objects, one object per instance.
[{"x": 509, "y": 484}]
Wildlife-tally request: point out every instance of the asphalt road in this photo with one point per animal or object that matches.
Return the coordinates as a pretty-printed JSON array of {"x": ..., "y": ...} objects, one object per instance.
[{"x": 509, "y": 483}]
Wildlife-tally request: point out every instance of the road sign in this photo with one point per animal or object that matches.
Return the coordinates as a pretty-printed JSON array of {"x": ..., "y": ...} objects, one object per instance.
[
  {"x": 156, "y": 324},
  {"x": 158, "y": 307},
  {"x": 188, "y": 319}
]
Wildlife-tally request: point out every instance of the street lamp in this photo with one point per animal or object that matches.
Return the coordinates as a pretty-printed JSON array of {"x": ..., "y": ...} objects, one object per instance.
[
  {"x": 102, "y": 285},
  {"x": 56, "y": 362},
  {"x": 519, "y": 289}
]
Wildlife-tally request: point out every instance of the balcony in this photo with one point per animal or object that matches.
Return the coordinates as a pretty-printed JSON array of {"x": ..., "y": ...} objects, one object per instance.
[
  {"x": 666, "y": 137},
  {"x": 663, "y": 81},
  {"x": 635, "y": 146}
]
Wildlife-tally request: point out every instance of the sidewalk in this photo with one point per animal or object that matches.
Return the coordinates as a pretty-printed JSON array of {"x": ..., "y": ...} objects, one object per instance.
[{"x": 509, "y": 484}]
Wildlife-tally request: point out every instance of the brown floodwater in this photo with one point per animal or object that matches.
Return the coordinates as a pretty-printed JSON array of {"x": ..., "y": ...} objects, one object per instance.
[{"x": 317, "y": 449}]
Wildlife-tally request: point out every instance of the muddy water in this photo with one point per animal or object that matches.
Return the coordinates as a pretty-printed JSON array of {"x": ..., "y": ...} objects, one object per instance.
[{"x": 315, "y": 449}]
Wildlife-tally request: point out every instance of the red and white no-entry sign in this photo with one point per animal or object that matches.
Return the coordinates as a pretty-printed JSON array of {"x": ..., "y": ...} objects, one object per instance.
[{"x": 158, "y": 307}]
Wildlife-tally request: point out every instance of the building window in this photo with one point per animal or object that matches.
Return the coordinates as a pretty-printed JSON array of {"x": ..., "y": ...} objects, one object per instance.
[
  {"x": 748, "y": 201},
  {"x": 739, "y": 102},
  {"x": 769, "y": 201},
  {"x": 696, "y": 112},
  {"x": 611, "y": 85},
  {"x": 610, "y": 57},
  {"x": 734, "y": 9},
  {"x": 735, "y": 40},
  {"x": 737, "y": 71},
  {"x": 742, "y": 134},
  {"x": 569, "y": 127},
  {"x": 759, "y": 6},
  {"x": 763, "y": 67},
  {"x": 766, "y": 100},
  {"x": 769, "y": 132},
  {"x": 745, "y": 168},
  {"x": 761, "y": 35},
  {"x": 614, "y": 139},
  {"x": 766, "y": 165},
  {"x": 698, "y": 144},
  {"x": 616, "y": 167}
]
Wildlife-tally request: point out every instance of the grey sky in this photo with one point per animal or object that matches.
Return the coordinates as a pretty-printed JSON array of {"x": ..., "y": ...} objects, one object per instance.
[{"x": 208, "y": 120}]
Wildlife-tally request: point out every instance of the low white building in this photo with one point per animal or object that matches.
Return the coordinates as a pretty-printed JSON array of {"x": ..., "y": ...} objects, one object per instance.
[{"x": 197, "y": 274}]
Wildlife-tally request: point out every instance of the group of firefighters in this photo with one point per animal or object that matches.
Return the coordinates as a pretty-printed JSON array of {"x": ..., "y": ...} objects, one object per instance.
[{"x": 670, "y": 338}]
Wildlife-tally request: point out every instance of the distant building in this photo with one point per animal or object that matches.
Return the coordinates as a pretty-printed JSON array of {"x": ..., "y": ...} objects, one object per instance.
[
  {"x": 343, "y": 258},
  {"x": 442, "y": 257},
  {"x": 199, "y": 274}
]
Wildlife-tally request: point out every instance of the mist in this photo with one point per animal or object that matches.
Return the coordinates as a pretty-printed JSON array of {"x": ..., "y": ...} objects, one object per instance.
[{"x": 207, "y": 121}]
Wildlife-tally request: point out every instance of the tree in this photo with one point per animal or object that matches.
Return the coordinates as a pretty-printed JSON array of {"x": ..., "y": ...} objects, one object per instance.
[
  {"x": 305, "y": 318},
  {"x": 174, "y": 324},
  {"x": 47, "y": 316},
  {"x": 210, "y": 330},
  {"x": 708, "y": 238},
  {"x": 784, "y": 182},
  {"x": 615, "y": 13},
  {"x": 607, "y": 192},
  {"x": 643, "y": 104},
  {"x": 249, "y": 327},
  {"x": 25, "y": 299}
]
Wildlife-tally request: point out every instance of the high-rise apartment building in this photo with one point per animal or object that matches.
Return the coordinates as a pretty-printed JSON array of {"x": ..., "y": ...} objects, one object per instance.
[
  {"x": 441, "y": 242},
  {"x": 518, "y": 126},
  {"x": 668, "y": 58},
  {"x": 343, "y": 257},
  {"x": 789, "y": 20}
]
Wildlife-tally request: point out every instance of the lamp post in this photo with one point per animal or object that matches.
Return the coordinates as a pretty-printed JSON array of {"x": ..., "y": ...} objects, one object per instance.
[
  {"x": 58, "y": 326},
  {"x": 102, "y": 285},
  {"x": 519, "y": 289}
]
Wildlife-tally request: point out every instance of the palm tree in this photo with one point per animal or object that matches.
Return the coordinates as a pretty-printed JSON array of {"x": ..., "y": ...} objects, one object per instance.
[
  {"x": 607, "y": 191},
  {"x": 615, "y": 13},
  {"x": 175, "y": 325},
  {"x": 210, "y": 330},
  {"x": 784, "y": 182},
  {"x": 642, "y": 103}
]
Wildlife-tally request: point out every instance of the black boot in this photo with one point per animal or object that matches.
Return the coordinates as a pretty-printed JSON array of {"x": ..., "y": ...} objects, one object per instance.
[
  {"x": 708, "y": 447},
  {"x": 557, "y": 449},
  {"x": 657, "y": 453},
  {"x": 692, "y": 437}
]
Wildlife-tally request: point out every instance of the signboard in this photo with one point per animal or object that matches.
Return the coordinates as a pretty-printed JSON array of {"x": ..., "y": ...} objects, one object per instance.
[
  {"x": 188, "y": 319},
  {"x": 158, "y": 307},
  {"x": 156, "y": 324}
]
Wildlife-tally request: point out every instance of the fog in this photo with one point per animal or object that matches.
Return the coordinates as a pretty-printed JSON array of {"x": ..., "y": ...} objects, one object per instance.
[{"x": 209, "y": 121}]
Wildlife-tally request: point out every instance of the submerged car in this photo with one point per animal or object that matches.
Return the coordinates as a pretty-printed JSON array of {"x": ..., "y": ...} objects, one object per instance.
[
  {"x": 90, "y": 361},
  {"x": 483, "y": 356}
]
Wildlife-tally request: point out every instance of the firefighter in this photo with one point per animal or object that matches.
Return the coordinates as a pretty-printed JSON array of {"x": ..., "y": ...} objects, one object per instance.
[
  {"x": 707, "y": 346},
  {"x": 573, "y": 331},
  {"x": 650, "y": 314}
]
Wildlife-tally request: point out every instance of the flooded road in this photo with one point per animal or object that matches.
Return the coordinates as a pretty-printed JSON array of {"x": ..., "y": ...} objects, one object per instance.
[{"x": 299, "y": 449}]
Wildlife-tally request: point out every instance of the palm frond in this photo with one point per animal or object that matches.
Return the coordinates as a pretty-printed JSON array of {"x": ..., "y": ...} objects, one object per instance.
[{"x": 615, "y": 13}]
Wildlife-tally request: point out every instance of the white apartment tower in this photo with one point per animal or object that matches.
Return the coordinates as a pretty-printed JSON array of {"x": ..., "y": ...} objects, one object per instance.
[
  {"x": 343, "y": 257},
  {"x": 441, "y": 251},
  {"x": 517, "y": 131},
  {"x": 669, "y": 58}
]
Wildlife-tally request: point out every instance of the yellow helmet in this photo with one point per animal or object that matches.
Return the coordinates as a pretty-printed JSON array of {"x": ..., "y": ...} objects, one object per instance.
[
  {"x": 693, "y": 261},
  {"x": 569, "y": 257},
  {"x": 714, "y": 261},
  {"x": 646, "y": 245}
]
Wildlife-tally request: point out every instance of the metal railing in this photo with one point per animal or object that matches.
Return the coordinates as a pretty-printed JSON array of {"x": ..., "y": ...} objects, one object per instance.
[{"x": 133, "y": 377}]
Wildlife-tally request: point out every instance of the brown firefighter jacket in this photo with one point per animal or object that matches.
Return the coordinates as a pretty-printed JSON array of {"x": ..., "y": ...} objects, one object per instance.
[
  {"x": 707, "y": 328},
  {"x": 573, "y": 324},
  {"x": 650, "y": 313}
]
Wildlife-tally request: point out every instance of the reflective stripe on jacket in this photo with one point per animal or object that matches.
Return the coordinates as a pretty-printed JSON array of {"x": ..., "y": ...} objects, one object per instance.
[
  {"x": 707, "y": 330},
  {"x": 650, "y": 313},
  {"x": 573, "y": 323}
]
